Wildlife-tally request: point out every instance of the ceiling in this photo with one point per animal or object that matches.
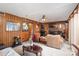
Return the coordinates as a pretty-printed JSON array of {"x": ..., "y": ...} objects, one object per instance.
[{"x": 35, "y": 11}]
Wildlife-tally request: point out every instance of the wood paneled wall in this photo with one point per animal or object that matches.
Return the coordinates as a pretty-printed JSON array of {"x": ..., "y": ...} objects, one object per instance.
[
  {"x": 1, "y": 26},
  {"x": 6, "y": 37}
]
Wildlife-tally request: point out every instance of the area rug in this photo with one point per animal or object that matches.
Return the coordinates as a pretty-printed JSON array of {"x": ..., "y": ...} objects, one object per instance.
[{"x": 47, "y": 51}]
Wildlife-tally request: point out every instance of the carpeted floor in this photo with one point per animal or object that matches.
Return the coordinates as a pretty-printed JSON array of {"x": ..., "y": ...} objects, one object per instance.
[{"x": 47, "y": 51}]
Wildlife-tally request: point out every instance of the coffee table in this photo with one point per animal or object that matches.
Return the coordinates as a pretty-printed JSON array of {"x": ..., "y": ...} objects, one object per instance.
[{"x": 34, "y": 49}]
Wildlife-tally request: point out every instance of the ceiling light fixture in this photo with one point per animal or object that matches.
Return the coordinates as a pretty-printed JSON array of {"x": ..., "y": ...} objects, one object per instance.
[{"x": 43, "y": 18}]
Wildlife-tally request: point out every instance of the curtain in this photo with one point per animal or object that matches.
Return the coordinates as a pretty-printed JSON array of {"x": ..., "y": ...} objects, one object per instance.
[{"x": 74, "y": 29}]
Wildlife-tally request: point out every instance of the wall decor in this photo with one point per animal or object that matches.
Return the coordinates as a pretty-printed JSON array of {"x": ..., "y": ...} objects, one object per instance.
[
  {"x": 25, "y": 27},
  {"x": 11, "y": 26}
]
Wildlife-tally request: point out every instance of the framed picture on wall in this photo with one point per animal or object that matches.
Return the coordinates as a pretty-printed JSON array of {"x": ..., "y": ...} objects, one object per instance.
[
  {"x": 11, "y": 26},
  {"x": 25, "y": 27}
]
